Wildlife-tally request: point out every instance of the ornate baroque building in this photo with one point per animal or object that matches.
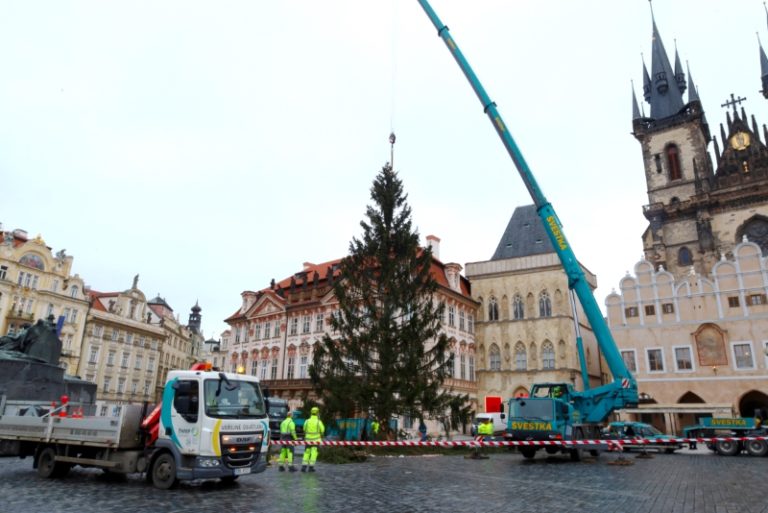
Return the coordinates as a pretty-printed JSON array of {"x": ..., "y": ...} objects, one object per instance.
[
  {"x": 36, "y": 284},
  {"x": 274, "y": 332},
  {"x": 130, "y": 345},
  {"x": 692, "y": 321},
  {"x": 525, "y": 325}
]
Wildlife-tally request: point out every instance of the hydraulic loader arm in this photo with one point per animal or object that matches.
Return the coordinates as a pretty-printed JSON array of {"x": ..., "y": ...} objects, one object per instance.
[{"x": 576, "y": 279}]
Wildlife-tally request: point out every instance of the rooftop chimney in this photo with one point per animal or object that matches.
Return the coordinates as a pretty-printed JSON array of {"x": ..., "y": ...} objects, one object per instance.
[{"x": 433, "y": 242}]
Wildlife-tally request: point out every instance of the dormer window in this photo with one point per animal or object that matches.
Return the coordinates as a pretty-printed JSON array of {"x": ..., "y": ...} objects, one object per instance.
[
  {"x": 673, "y": 162},
  {"x": 684, "y": 256}
]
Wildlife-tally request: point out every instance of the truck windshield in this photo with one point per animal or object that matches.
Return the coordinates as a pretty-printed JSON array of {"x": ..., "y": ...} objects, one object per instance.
[
  {"x": 532, "y": 409},
  {"x": 236, "y": 399},
  {"x": 278, "y": 410}
]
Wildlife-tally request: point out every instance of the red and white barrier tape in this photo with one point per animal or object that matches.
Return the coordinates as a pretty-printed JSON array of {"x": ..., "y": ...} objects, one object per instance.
[{"x": 507, "y": 443}]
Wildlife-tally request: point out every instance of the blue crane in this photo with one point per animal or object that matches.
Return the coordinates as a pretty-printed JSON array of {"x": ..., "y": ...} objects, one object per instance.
[{"x": 555, "y": 411}]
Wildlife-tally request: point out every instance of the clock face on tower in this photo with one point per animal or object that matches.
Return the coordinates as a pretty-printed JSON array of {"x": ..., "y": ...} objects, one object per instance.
[{"x": 740, "y": 140}]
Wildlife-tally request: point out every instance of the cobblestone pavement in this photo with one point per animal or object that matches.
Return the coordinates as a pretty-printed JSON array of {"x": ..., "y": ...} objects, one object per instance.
[{"x": 687, "y": 482}]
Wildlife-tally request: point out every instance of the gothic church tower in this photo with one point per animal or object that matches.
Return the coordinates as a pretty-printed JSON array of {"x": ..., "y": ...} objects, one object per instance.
[{"x": 697, "y": 212}]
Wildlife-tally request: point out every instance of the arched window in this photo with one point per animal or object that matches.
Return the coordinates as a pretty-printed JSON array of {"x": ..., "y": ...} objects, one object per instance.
[
  {"x": 673, "y": 162},
  {"x": 518, "y": 308},
  {"x": 684, "y": 256},
  {"x": 545, "y": 304},
  {"x": 547, "y": 355},
  {"x": 521, "y": 361},
  {"x": 493, "y": 309},
  {"x": 494, "y": 358}
]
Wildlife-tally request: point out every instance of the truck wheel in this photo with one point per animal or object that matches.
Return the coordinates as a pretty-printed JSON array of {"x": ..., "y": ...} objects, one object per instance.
[
  {"x": 164, "y": 472},
  {"x": 757, "y": 448},
  {"x": 229, "y": 480},
  {"x": 47, "y": 466},
  {"x": 727, "y": 448},
  {"x": 528, "y": 452}
]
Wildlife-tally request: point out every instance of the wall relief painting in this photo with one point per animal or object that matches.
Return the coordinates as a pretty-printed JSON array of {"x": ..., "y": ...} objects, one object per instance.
[{"x": 710, "y": 344}]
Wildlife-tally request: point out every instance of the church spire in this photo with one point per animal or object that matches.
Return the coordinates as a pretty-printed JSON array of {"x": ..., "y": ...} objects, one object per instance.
[
  {"x": 666, "y": 95},
  {"x": 693, "y": 94},
  {"x": 679, "y": 75},
  {"x": 635, "y": 108},
  {"x": 763, "y": 67}
]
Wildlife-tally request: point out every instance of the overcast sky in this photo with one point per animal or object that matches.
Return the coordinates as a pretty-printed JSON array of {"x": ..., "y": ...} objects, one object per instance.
[{"x": 212, "y": 146}]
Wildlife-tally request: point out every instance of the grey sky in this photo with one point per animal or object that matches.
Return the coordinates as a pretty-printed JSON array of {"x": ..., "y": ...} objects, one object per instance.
[{"x": 212, "y": 146}]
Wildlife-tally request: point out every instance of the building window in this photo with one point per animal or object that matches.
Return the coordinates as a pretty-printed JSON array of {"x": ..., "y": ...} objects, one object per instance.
[
  {"x": 3, "y": 272},
  {"x": 655, "y": 360},
  {"x": 471, "y": 323},
  {"x": 521, "y": 359},
  {"x": 107, "y": 382},
  {"x": 111, "y": 358},
  {"x": 291, "y": 365},
  {"x": 124, "y": 361},
  {"x": 493, "y": 309},
  {"x": 98, "y": 330},
  {"x": 294, "y": 330},
  {"x": 49, "y": 311},
  {"x": 462, "y": 366},
  {"x": 673, "y": 161},
  {"x": 462, "y": 320},
  {"x": 733, "y": 301},
  {"x": 303, "y": 367},
  {"x": 683, "y": 359},
  {"x": 267, "y": 329},
  {"x": 121, "y": 385},
  {"x": 494, "y": 358},
  {"x": 146, "y": 387},
  {"x": 138, "y": 362},
  {"x": 684, "y": 256},
  {"x": 151, "y": 364},
  {"x": 547, "y": 356},
  {"x": 257, "y": 331},
  {"x": 630, "y": 311},
  {"x": 650, "y": 310},
  {"x": 471, "y": 368},
  {"x": 319, "y": 322},
  {"x": 451, "y": 365},
  {"x": 545, "y": 305},
  {"x": 629, "y": 360},
  {"x": 134, "y": 386},
  {"x": 305, "y": 324},
  {"x": 273, "y": 372},
  {"x": 94, "y": 356},
  {"x": 451, "y": 316},
  {"x": 756, "y": 299},
  {"x": 277, "y": 329},
  {"x": 129, "y": 338},
  {"x": 518, "y": 308},
  {"x": 115, "y": 334},
  {"x": 668, "y": 308},
  {"x": 742, "y": 355},
  {"x": 72, "y": 292},
  {"x": 254, "y": 366}
]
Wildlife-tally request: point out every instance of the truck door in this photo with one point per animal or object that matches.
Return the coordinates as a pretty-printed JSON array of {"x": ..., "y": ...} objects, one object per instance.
[{"x": 185, "y": 416}]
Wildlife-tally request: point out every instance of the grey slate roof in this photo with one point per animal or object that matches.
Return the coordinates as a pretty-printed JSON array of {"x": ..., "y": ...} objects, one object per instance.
[{"x": 524, "y": 236}]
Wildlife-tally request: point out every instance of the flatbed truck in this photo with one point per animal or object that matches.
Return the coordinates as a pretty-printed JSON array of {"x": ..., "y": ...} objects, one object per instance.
[{"x": 209, "y": 425}]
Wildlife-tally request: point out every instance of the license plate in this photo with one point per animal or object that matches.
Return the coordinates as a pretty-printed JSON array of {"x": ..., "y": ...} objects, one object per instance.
[{"x": 241, "y": 471}]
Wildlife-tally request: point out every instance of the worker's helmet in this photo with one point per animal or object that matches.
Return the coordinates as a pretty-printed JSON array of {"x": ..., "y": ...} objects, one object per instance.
[
  {"x": 315, "y": 410},
  {"x": 557, "y": 390}
]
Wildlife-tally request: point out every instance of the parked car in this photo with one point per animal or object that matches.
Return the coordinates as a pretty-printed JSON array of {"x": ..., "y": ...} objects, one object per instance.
[{"x": 628, "y": 431}]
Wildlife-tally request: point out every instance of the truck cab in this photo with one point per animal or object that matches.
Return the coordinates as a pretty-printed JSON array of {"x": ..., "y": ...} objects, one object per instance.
[{"x": 278, "y": 411}]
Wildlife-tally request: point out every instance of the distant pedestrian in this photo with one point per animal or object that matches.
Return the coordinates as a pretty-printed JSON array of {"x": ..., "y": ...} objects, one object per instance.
[
  {"x": 287, "y": 433},
  {"x": 313, "y": 432},
  {"x": 375, "y": 429},
  {"x": 484, "y": 430},
  {"x": 423, "y": 430}
]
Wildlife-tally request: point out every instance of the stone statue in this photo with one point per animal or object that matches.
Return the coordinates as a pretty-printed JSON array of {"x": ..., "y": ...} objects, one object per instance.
[
  {"x": 135, "y": 281},
  {"x": 37, "y": 343}
]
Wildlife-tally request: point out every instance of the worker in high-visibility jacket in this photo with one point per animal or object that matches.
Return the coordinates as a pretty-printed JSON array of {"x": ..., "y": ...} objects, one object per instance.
[
  {"x": 313, "y": 432},
  {"x": 287, "y": 433},
  {"x": 483, "y": 430}
]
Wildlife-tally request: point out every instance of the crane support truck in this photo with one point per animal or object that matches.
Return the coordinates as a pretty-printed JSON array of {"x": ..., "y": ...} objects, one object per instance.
[
  {"x": 208, "y": 425},
  {"x": 555, "y": 411}
]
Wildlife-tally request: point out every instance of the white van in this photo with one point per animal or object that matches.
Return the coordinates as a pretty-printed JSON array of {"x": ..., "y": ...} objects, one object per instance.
[{"x": 499, "y": 420}]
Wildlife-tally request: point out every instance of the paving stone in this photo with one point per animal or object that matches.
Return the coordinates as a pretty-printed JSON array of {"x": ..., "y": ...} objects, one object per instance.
[{"x": 687, "y": 482}]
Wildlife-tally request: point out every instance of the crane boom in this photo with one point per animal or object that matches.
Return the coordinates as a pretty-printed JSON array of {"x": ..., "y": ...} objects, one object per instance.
[{"x": 576, "y": 278}]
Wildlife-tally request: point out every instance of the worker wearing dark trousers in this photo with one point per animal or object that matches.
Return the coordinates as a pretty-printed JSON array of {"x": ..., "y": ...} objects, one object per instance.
[
  {"x": 485, "y": 429},
  {"x": 313, "y": 432},
  {"x": 287, "y": 433}
]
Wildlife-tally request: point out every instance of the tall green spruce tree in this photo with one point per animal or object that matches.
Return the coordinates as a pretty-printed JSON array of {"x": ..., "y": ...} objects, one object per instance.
[{"x": 387, "y": 355}]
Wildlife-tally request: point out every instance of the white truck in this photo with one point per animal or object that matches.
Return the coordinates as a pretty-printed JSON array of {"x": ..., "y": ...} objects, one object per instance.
[
  {"x": 499, "y": 420},
  {"x": 209, "y": 425}
]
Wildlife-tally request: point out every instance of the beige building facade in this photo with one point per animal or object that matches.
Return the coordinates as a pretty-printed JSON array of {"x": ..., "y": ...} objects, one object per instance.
[
  {"x": 525, "y": 326},
  {"x": 37, "y": 284},
  {"x": 698, "y": 345}
]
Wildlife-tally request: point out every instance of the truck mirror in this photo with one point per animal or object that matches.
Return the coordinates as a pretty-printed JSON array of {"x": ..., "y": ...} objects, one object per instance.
[{"x": 503, "y": 416}]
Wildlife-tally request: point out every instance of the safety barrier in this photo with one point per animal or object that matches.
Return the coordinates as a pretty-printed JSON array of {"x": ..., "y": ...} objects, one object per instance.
[{"x": 509, "y": 443}]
